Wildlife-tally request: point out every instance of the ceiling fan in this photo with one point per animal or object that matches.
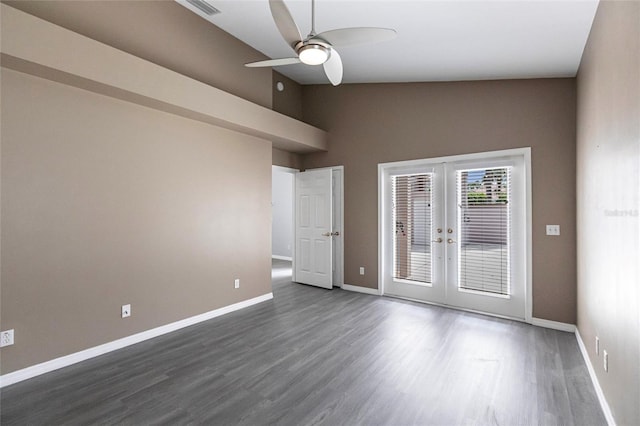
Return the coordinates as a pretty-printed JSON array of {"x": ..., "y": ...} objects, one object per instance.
[{"x": 319, "y": 49}]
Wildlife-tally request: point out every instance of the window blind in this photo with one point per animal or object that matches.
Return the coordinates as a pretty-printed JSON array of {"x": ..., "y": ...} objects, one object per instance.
[
  {"x": 484, "y": 222},
  {"x": 412, "y": 213}
]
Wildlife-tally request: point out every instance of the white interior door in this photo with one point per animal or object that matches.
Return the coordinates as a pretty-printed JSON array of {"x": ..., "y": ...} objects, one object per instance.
[
  {"x": 455, "y": 234},
  {"x": 313, "y": 228}
]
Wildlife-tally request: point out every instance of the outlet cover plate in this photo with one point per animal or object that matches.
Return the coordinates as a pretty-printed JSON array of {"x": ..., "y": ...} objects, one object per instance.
[
  {"x": 6, "y": 338},
  {"x": 553, "y": 229},
  {"x": 126, "y": 311}
]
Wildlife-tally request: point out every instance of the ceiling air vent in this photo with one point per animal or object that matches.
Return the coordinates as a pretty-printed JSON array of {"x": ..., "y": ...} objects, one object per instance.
[{"x": 204, "y": 7}]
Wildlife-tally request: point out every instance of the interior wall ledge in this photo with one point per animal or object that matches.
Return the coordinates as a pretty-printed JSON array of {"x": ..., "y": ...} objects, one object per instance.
[{"x": 40, "y": 48}]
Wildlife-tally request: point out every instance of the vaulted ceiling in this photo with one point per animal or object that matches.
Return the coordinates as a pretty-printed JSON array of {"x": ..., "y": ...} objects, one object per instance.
[{"x": 437, "y": 40}]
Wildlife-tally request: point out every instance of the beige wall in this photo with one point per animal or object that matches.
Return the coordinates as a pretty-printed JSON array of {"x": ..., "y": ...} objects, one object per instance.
[
  {"x": 375, "y": 123},
  {"x": 286, "y": 159},
  {"x": 105, "y": 203},
  {"x": 289, "y": 101},
  {"x": 167, "y": 34},
  {"x": 608, "y": 181}
]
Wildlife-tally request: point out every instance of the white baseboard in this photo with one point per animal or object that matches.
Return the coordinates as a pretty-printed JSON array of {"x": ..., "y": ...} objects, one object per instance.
[
  {"x": 555, "y": 325},
  {"x": 64, "y": 361},
  {"x": 359, "y": 289},
  {"x": 596, "y": 384},
  {"x": 275, "y": 256}
]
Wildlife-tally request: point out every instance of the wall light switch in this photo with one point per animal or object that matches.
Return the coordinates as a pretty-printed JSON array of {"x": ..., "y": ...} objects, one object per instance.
[
  {"x": 553, "y": 229},
  {"x": 126, "y": 311},
  {"x": 362, "y": 270}
]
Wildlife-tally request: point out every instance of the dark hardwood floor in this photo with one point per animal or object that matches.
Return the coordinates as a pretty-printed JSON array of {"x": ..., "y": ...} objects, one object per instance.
[{"x": 314, "y": 356}]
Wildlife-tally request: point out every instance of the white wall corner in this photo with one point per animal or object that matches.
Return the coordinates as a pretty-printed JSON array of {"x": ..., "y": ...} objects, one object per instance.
[
  {"x": 596, "y": 384},
  {"x": 64, "y": 361}
]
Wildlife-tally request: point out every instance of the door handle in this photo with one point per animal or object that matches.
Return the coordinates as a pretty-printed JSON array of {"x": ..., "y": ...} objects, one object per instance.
[
  {"x": 326, "y": 234},
  {"x": 450, "y": 241},
  {"x": 336, "y": 233},
  {"x": 438, "y": 240}
]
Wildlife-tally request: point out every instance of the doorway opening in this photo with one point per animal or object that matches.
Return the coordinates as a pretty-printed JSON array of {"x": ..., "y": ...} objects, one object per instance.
[
  {"x": 282, "y": 209},
  {"x": 282, "y": 223}
]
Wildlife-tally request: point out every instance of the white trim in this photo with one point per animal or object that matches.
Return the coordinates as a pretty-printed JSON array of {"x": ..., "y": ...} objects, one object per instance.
[
  {"x": 555, "y": 325},
  {"x": 456, "y": 158},
  {"x": 596, "y": 384},
  {"x": 359, "y": 289},
  {"x": 340, "y": 282},
  {"x": 64, "y": 361},
  {"x": 381, "y": 227},
  {"x": 283, "y": 169},
  {"x": 278, "y": 257},
  {"x": 528, "y": 304}
]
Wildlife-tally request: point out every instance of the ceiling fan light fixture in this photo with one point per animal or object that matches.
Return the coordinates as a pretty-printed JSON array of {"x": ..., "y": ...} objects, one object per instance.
[{"x": 313, "y": 54}]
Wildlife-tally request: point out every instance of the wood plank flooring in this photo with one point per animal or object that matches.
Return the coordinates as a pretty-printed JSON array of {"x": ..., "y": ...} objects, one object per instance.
[{"x": 314, "y": 356}]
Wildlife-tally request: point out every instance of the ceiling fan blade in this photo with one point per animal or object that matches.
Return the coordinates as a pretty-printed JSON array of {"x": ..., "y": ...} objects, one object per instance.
[
  {"x": 333, "y": 68},
  {"x": 357, "y": 35},
  {"x": 285, "y": 23},
  {"x": 273, "y": 62}
]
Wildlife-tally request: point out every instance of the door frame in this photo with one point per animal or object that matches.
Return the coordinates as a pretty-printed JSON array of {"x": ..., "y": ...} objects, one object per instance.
[
  {"x": 339, "y": 252},
  {"x": 293, "y": 172},
  {"x": 384, "y": 222}
]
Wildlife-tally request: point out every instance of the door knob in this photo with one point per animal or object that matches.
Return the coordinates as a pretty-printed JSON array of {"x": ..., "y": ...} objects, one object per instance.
[
  {"x": 326, "y": 234},
  {"x": 336, "y": 233},
  {"x": 438, "y": 240},
  {"x": 450, "y": 241}
]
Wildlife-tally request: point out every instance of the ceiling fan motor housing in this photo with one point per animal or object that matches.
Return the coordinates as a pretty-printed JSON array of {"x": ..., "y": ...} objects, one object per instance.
[{"x": 313, "y": 53}]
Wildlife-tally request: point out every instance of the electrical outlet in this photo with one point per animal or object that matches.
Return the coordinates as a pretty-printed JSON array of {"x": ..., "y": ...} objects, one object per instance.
[
  {"x": 605, "y": 359},
  {"x": 126, "y": 311},
  {"x": 362, "y": 270},
  {"x": 6, "y": 338},
  {"x": 553, "y": 229},
  {"x": 236, "y": 283},
  {"x": 597, "y": 345}
]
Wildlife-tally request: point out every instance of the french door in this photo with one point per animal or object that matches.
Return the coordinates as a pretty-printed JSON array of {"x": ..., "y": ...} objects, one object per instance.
[{"x": 455, "y": 233}]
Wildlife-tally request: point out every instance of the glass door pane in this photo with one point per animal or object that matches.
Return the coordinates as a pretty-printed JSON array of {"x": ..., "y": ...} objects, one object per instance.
[
  {"x": 412, "y": 215},
  {"x": 414, "y": 210},
  {"x": 484, "y": 223}
]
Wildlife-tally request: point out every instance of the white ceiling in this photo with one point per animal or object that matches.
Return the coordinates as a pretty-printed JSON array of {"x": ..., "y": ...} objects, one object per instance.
[{"x": 437, "y": 40}]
